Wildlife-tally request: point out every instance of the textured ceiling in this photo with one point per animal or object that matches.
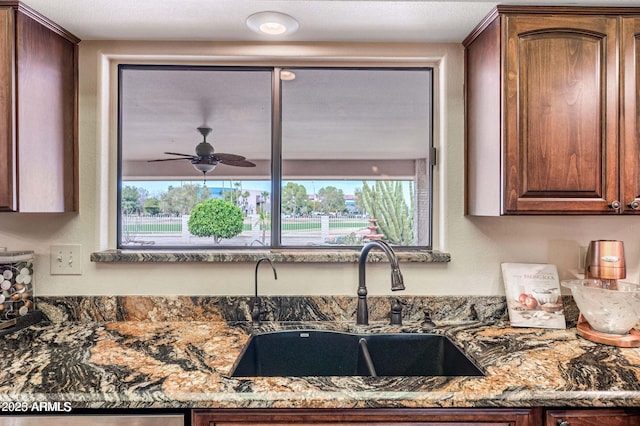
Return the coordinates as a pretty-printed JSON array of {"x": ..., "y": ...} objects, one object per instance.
[{"x": 320, "y": 20}]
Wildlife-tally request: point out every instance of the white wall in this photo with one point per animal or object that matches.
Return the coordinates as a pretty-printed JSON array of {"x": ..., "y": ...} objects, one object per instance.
[{"x": 477, "y": 245}]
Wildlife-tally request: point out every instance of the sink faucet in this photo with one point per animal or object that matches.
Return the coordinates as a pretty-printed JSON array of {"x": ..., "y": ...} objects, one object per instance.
[
  {"x": 256, "y": 311},
  {"x": 362, "y": 315}
]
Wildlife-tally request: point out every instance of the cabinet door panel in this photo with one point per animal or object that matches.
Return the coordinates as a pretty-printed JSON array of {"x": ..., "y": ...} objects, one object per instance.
[
  {"x": 558, "y": 74},
  {"x": 630, "y": 114},
  {"x": 561, "y": 114},
  {"x": 608, "y": 417}
]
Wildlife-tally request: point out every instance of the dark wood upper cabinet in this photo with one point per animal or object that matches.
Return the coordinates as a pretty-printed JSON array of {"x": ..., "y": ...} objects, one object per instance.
[
  {"x": 38, "y": 113},
  {"x": 551, "y": 112},
  {"x": 630, "y": 112}
]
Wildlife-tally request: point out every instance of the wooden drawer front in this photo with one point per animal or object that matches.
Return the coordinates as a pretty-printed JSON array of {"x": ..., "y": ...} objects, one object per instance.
[
  {"x": 454, "y": 423},
  {"x": 355, "y": 417}
]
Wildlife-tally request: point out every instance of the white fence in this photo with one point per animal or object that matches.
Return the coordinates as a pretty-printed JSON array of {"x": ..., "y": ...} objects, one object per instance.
[
  {"x": 151, "y": 224},
  {"x": 159, "y": 229}
]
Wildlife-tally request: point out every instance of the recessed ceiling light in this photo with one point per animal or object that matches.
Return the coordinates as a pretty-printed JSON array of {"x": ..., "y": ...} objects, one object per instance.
[{"x": 272, "y": 23}]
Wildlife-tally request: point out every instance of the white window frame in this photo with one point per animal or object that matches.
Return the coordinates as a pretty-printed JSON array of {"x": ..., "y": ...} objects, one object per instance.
[{"x": 229, "y": 54}]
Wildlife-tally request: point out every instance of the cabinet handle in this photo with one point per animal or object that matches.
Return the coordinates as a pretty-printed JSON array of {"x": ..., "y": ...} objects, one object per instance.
[
  {"x": 561, "y": 422},
  {"x": 635, "y": 204},
  {"x": 615, "y": 205}
]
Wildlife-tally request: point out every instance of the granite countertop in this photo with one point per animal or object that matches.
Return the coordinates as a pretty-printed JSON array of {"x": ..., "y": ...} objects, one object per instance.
[
  {"x": 185, "y": 364},
  {"x": 105, "y": 352}
]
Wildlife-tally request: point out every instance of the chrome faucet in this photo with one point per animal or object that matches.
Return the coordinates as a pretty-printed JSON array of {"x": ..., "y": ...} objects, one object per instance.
[
  {"x": 362, "y": 315},
  {"x": 257, "y": 311}
]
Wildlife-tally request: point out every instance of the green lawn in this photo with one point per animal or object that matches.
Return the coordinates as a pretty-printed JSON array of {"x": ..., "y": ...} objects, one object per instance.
[
  {"x": 287, "y": 225},
  {"x": 152, "y": 228},
  {"x": 299, "y": 225}
]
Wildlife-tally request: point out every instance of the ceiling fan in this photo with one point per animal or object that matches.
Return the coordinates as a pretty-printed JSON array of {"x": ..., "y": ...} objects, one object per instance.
[{"x": 206, "y": 159}]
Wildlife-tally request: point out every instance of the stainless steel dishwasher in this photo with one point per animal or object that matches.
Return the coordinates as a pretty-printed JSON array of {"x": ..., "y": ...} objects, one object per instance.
[{"x": 95, "y": 420}]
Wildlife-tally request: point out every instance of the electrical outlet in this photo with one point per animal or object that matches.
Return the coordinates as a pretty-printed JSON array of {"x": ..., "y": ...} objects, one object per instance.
[{"x": 66, "y": 259}]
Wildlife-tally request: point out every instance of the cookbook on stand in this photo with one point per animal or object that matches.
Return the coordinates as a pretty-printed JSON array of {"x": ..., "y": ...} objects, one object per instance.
[{"x": 533, "y": 295}]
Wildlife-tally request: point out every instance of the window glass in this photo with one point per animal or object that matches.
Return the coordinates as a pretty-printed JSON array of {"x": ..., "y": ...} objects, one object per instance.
[
  {"x": 352, "y": 157},
  {"x": 355, "y": 145},
  {"x": 164, "y": 112}
]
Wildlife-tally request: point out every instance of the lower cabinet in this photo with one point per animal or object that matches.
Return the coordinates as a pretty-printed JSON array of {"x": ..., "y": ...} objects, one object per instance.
[
  {"x": 597, "y": 417},
  {"x": 377, "y": 416},
  {"x": 418, "y": 417}
]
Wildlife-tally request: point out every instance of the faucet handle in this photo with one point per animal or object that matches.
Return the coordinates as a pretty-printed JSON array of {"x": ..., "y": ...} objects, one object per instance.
[
  {"x": 396, "y": 312},
  {"x": 427, "y": 323},
  {"x": 256, "y": 312}
]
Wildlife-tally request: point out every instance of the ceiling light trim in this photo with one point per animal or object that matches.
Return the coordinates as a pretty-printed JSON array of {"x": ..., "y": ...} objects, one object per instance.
[{"x": 272, "y": 23}]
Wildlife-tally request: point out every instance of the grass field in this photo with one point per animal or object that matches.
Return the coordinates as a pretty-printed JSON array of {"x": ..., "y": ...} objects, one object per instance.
[
  {"x": 152, "y": 228},
  {"x": 288, "y": 225}
]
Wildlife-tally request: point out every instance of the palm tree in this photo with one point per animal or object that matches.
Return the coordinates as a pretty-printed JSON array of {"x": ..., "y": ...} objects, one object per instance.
[{"x": 237, "y": 191}]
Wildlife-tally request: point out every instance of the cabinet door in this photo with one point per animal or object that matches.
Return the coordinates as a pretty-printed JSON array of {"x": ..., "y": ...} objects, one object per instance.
[
  {"x": 380, "y": 416},
  {"x": 38, "y": 114},
  {"x": 600, "y": 417},
  {"x": 630, "y": 114},
  {"x": 561, "y": 114},
  {"x": 45, "y": 118},
  {"x": 7, "y": 168}
]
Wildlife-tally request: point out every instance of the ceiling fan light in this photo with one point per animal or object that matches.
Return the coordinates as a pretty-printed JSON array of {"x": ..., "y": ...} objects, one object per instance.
[
  {"x": 272, "y": 23},
  {"x": 204, "y": 167}
]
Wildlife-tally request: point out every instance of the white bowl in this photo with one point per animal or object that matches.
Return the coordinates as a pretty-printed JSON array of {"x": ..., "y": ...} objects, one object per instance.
[
  {"x": 612, "y": 311},
  {"x": 544, "y": 295}
]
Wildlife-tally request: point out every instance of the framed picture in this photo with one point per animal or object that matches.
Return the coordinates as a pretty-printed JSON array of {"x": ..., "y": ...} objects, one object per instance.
[{"x": 533, "y": 295}]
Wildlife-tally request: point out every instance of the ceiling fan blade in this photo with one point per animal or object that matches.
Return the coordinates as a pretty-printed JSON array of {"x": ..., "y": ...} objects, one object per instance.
[
  {"x": 169, "y": 159},
  {"x": 228, "y": 157},
  {"x": 238, "y": 163},
  {"x": 177, "y": 153}
]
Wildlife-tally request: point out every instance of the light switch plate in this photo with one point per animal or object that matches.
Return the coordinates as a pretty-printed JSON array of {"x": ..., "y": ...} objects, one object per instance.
[{"x": 66, "y": 259}]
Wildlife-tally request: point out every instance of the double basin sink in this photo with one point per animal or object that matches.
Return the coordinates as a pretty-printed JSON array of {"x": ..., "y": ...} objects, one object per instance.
[{"x": 300, "y": 353}]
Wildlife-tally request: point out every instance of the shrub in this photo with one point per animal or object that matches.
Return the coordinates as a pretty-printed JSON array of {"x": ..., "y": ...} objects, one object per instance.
[
  {"x": 151, "y": 206},
  {"x": 215, "y": 218}
]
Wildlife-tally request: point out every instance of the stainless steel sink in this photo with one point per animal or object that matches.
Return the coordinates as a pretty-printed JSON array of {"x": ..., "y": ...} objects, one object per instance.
[{"x": 331, "y": 353}]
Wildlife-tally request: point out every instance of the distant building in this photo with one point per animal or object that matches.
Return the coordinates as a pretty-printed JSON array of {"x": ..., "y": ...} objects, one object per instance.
[
  {"x": 255, "y": 201},
  {"x": 249, "y": 205},
  {"x": 350, "y": 204}
]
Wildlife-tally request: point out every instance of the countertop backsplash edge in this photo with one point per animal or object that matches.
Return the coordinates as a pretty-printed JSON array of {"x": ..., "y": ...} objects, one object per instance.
[{"x": 59, "y": 309}]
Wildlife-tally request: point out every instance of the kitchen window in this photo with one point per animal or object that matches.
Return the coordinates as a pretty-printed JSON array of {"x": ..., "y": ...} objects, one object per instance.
[{"x": 302, "y": 157}]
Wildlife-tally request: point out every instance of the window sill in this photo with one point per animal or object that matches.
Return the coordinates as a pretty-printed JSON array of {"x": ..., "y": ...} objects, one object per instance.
[{"x": 282, "y": 255}]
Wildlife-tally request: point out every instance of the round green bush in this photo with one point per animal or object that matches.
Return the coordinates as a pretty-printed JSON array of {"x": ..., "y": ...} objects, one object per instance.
[{"x": 215, "y": 218}]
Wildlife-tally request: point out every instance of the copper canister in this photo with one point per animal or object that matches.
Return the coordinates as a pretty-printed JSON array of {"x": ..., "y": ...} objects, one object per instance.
[{"x": 605, "y": 260}]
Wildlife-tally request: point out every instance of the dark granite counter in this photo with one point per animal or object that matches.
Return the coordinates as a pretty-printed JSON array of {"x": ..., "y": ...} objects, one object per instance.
[{"x": 135, "y": 361}]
